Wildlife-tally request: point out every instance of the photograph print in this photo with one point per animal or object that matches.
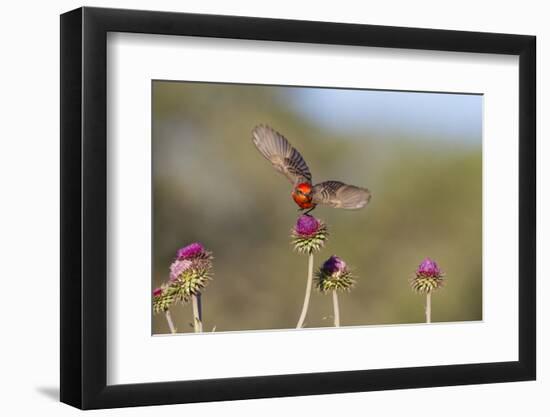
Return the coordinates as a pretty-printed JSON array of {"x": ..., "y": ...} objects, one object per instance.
[{"x": 286, "y": 207}]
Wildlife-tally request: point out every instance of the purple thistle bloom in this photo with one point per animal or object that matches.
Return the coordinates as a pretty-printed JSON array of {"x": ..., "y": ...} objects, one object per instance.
[
  {"x": 334, "y": 265},
  {"x": 334, "y": 276},
  {"x": 191, "y": 251},
  {"x": 428, "y": 268},
  {"x": 306, "y": 225},
  {"x": 178, "y": 267},
  {"x": 308, "y": 234},
  {"x": 157, "y": 292}
]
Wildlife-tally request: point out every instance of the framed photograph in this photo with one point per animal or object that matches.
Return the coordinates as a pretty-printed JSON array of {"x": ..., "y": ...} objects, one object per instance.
[{"x": 261, "y": 208}]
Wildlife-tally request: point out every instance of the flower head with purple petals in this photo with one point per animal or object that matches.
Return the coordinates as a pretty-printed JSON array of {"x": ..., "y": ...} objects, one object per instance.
[
  {"x": 178, "y": 267},
  {"x": 192, "y": 269},
  {"x": 189, "y": 275},
  {"x": 428, "y": 277},
  {"x": 306, "y": 225},
  {"x": 334, "y": 265},
  {"x": 334, "y": 276},
  {"x": 191, "y": 251},
  {"x": 428, "y": 268},
  {"x": 309, "y": 234}
]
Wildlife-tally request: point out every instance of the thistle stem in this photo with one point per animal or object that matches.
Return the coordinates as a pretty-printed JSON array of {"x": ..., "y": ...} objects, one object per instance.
[
  {"x": 336, "y": 309},
  {"x": 170, "y": 322},
  {"x": 429, "y": 307},
  {"x": 199, "y": 303},
  {"x": 308, "y": 292},
  {"x": 197, "y": 314}
]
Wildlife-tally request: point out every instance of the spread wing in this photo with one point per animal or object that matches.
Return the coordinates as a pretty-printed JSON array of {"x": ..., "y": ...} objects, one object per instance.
[
  {"x": 277, "y": 150},
  {"x": 340, "y": 195}
]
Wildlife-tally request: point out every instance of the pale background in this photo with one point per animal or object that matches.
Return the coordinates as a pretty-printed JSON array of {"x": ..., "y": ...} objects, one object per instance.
[{"x": 30, "y": 227}]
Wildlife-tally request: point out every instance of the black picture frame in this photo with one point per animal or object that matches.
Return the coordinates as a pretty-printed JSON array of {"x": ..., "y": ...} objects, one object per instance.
[{"x": 84, "y": 207}]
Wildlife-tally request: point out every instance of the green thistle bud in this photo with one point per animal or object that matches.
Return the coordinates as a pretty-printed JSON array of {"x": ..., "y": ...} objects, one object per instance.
[
  {"x": 163, "y": 298},
  {"x": 193, "y": 280}
]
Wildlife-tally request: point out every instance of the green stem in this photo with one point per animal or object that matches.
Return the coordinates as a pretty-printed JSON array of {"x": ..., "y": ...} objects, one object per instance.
[
  {"x": 197, "y": 315},
  {"x": 429, "y": 307},
  {"x": 308, "y": 292},
  {"x": 336, "y": 309},
  {"x": 170, "y": 322}
]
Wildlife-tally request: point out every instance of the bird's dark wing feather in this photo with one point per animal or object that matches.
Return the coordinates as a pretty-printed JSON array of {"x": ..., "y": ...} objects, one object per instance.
[
  {"x": 277, "y": 150},
  {"x": 340, "y": 195}
]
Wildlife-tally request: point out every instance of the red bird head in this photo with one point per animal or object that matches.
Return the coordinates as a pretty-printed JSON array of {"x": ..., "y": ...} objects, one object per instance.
[
  {"x": 302, "y": 195},
  {"x": 304, "y": 188}
]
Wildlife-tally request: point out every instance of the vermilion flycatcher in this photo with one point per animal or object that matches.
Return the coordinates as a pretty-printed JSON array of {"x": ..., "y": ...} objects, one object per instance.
[{"x": 288, "y": 161}]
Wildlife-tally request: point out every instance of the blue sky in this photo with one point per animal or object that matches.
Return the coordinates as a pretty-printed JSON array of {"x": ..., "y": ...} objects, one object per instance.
[{"x": 447, "y": 117}]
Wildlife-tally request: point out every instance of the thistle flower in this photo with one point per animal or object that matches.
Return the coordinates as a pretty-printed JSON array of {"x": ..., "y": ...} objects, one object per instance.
[
  {"x": 428, "y": 277},
  {"x": 163, "y": 298},
  {"x": 307, "y": 225},
  {"x": 309, "y": 234},
  {"x": 190, "y": 251},
  {"x": 189, "y": 274},
  {"x": 334, "y": 266},
  {"x": 191, "y": 271},
  {"x": 334, "y": 276},
  {"x": 178, "y": 267}
]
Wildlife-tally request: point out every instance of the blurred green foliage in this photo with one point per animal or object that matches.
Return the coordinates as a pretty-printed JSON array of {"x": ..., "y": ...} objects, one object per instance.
[{"x": 211, "y": 185}]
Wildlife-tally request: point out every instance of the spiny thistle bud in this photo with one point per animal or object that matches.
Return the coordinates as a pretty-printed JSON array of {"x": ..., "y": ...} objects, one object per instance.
[
  {"x": 334, "y": 275},
  {"x": 189, "y": 275},
  {"x": 163, "y": 298},
  {"x": 428, "y": 277},
  {"x": 309, "y": 234},
  {"x": 190, "y": 272}
]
